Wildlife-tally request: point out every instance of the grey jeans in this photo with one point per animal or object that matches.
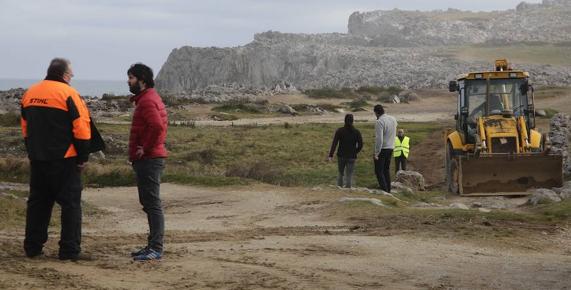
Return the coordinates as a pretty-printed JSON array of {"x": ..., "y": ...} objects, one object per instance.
[
  {"x": 148, "y": 172},
  {"x": 346, "y": 169}
]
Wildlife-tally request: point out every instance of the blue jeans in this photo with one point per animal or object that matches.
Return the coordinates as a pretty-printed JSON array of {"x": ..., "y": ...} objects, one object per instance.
[
  {"x": 148, "y": 172},
  {"x": 346, "y": 168}
]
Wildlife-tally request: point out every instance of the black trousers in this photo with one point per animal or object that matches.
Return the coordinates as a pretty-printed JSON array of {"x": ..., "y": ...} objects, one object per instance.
[
  {"x": 148, "y": 172},
  {"x": 400, "y": 163},
  {"x": 382, "y": 169},
  {"x": 54, "y": 181}
]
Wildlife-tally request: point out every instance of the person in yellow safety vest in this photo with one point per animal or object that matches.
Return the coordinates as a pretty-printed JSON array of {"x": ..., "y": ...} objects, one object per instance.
[{"x": 402, "y": 149}]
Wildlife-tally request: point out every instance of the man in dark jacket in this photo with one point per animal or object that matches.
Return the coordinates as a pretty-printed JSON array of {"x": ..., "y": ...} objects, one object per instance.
[
  {"x": 147, "y": 153},
  {"x": 56, "y": 128},
  {"x": 350, "y": 144}
]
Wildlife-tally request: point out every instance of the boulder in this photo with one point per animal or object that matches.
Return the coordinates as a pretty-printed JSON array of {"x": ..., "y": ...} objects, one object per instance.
[
  {"x": 412, "y": 179},
  {"x": 421, "y": 204},
  {"x": 565, "y": 191},
  {"x": 401, "y": 188},
  {"x": 10, "y": 100},
  {"x": 542, "y": 196},
  {"x": 540, "y": 113},
  {"x": 374, "y": 201},
  {"x": 458, "y": 205},
  {"x": 285, "y": 109},
  {"x": 408, "y": 96},
  {"x": 565, "y": 194}
]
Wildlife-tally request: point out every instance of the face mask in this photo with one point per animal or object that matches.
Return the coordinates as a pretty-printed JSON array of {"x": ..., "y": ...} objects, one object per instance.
[{"x": 135, "y": 89}]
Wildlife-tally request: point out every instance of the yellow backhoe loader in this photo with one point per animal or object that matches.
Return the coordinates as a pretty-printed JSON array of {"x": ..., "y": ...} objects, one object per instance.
[{"x": 495, "y": 149}]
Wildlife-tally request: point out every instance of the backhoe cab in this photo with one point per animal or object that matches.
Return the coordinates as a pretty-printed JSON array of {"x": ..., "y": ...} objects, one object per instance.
[{"x": 495, "y": 147}]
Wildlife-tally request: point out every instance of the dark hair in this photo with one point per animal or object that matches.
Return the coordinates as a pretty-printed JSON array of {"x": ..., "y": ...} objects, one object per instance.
[
  {"x": 143, "y": 73},
  {"x": 349, "y": 120},
  {"x": 58, "y": 67},
  {"x": 379, "y": 109}
]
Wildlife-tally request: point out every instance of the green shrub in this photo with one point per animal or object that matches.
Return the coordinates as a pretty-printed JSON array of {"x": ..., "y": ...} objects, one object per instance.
[
  {"x": 205, "y": 157},
  {"x": 14, "y": 169},
  {"x": 330, "y": 93},
  {"x": 99, "y": 175},
  {"x": 233, "y": 107},
  {"x": 263, "y": 171},
  {"x": 10, "y": 119},
  {"x": 358, "y": 104},
  {"x": 223, "y": 117}
]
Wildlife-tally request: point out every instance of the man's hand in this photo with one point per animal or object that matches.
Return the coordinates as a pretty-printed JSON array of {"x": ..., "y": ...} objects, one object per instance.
[
  {"x": 329, "y": 158},
  {"x": 376, "y": 156},
  {"x": 140, "y": 152}
]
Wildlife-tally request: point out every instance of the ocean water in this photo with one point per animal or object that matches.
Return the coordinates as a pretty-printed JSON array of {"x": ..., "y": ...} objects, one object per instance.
[{"x": 94, "y": 88}]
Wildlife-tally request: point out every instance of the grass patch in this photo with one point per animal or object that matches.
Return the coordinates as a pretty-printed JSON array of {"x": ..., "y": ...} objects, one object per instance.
[
  {"x": 12, "y": 212},
  {"x": 102, "y": 175},
  {"x": 358, "y": 104},
  {"x": 14, "y": 169},
  {"x": 379, "y": 91},
  {"x": 240, "y": 106},
  {"x": 331, "y": 93},
  {"x": 9, "y": 119},
  {"x": 555, "y": 211},
  {"x": 471, "y": 225},
  {"x": 305, "y": 108},
  {"x": 288, "y": 155},
  {"x": 383, "y": 94},
  {"x": 550, "y": 113},
  {"x": 223, "y": 117}
]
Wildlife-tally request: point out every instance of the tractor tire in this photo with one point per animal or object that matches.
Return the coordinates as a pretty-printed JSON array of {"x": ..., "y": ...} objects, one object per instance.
[{"x": 452, "y": 171}]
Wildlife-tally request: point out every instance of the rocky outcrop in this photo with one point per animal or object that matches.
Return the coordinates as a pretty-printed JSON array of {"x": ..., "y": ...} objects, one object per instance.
[
  {"x": 546, "y": 22},
  {"x": 10, "y": 100},
  {"x": 286, "y": 60},
  {"x": 382, "y": 48},
  {"x": 565, "y": 191},
  {"x": 559, "y": 135},
  {"x": 542, "y": 196}
]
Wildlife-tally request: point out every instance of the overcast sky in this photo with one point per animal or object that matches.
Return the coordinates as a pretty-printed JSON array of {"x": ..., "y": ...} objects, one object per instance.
[{"x": 102, "y": 38}]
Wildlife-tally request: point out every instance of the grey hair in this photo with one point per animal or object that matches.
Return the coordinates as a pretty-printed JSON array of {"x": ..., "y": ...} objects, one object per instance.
[{"x": 58, "y": 67}]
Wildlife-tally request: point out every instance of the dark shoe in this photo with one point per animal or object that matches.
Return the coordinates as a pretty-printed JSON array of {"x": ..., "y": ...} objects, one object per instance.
[
  {"x": 35, "y": 255},
  {"x": 75, "y": 258},
  {"x": 140, "y": 252},
  {"x": 151, "y": 254}
]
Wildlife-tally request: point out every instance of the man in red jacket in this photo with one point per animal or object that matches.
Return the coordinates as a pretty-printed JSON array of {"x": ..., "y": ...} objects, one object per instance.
[{"x": 147, "y": 153}]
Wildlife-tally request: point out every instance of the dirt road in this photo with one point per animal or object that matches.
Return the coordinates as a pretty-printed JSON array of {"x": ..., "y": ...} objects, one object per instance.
[{"x": 265, "y": 237}]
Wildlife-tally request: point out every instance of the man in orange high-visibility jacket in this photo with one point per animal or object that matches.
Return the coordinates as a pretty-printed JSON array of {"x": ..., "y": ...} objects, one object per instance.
[
  {"x": 402, "y": 149},
  {"x": 56, "y": 128}
]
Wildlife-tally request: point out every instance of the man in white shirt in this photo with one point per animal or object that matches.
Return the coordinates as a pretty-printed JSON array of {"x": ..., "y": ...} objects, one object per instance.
[{"x": 385, "y": 133}]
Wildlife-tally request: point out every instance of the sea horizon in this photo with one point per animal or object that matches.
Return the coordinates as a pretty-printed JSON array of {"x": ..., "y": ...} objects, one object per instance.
[{"x": 92, "y": 88}]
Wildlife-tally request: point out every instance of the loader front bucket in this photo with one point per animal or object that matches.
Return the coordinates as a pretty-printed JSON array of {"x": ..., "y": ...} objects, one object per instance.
[{"x": 505, "y": 173}]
